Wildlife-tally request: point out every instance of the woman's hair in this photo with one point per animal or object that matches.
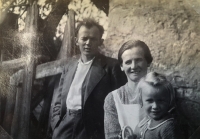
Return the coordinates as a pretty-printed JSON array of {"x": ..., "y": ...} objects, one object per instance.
[
  {"x": 156, "y": 80},
  {"x": 135, "y": 43}
]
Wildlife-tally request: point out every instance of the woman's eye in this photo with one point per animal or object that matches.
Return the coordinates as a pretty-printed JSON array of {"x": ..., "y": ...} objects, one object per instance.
[
  {"x": 139, "y": 60},
  {"x": 128, "y": 62}
]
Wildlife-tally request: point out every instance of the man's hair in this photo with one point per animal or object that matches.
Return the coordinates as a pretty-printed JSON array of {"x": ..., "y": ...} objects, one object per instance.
[
  {"x": 89, "y": 22},
  {"x": 156, "y": 80},
  {"x": 135, "y": 43}
]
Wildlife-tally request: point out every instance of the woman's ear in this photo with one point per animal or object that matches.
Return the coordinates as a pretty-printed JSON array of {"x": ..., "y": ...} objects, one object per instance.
[{"x": 121, "y": 68}]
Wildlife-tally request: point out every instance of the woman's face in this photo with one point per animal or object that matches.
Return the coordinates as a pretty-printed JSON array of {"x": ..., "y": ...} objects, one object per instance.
[
  {"x": 134, "y": 64},
  {"x": 155, "y": 101}
]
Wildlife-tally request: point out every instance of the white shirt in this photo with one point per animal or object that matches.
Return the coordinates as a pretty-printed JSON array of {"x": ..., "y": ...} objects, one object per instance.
[{"x": 74, "y": 95}]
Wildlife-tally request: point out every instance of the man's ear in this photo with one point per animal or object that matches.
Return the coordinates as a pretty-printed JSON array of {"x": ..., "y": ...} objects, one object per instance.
[
  {"x": 148, "y": 65},
  {"x": 76, "y": 41},
  {"x": 101, "y": 41}
]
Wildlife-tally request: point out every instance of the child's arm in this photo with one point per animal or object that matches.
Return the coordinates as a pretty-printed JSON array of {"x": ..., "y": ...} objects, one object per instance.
[
  {"x": 170, "y": 131},
  {"x": 140, "y": 127},
  {"x": 137, "y": 133}
]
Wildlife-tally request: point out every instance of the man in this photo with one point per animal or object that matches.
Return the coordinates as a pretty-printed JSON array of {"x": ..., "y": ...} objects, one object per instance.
[{"x": 85, "y": 82}]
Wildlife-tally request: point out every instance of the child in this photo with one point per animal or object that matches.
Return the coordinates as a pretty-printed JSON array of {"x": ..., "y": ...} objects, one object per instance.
[{"x": 156, "y": 96}]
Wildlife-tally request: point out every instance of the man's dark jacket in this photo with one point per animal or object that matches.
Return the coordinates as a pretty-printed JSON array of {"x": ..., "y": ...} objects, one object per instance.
[{"x": 103, "y": 77}]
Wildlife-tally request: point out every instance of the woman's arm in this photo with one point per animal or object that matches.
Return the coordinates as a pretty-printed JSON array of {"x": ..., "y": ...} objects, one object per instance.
[{"x": 111, "y": 122}]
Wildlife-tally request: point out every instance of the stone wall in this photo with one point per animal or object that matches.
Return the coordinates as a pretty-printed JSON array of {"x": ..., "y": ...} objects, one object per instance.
[
  {"x": 172, "y": 31},
  {"x": 170, "y": 28}
]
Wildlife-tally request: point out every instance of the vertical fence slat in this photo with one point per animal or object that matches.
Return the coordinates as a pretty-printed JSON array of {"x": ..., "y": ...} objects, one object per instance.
[
  {"x": 21, "y": 127},
  {"x": 67, "y": 47}
]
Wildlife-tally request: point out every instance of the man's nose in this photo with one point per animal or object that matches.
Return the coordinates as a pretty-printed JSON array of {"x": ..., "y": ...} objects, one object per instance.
[{"x": 88, "y": 41}]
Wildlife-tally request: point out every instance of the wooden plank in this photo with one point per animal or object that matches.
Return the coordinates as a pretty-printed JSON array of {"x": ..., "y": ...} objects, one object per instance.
[
  {"x": 26, "y": 101},
  {"x": 20, "y": 62},
  {"x": 196, "y": 134},
  {"x": 71, "y": 31},
  {"x": 4, "y": 134},
  {"x": 42, "y": 70},
  {"x": 18, "y": 110},
  {"x": 1, "y": 120},
  {"x": 67, "y": 48},
  {"x": 13, "y": 64},
  {"x": 9, "y": 110},
  {"x": 21, "y": 127},
  {"x": 2, "y": 55},
  {"x": 50, "y": 68}
]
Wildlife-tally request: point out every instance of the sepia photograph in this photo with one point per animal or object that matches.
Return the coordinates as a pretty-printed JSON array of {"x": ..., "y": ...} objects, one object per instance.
[{"x": 99, "y": 69}]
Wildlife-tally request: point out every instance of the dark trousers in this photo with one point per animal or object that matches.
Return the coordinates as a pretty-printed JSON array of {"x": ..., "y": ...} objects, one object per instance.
[{"x": 71, "y": 126}]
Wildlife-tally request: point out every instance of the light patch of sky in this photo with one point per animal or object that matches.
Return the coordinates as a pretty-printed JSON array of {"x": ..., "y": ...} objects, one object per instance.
[
  {"x": 41, "y": 2},
  {"x": 44, "y": 11},
  {"x": 21, "y": 19},
  {"x": 60, "y": 28},
  {"x": 5, "y": 5},
  {"x": 83, "y": 9}
]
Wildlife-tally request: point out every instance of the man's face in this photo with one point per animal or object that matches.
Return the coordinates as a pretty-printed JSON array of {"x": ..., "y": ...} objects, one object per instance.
[
  {"x": 88, "y": 40},
  {"x": 155, "y": 102},
  {"x": 134, "y": 64}
]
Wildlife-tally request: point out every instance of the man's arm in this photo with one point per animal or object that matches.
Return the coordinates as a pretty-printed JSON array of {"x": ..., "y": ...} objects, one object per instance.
[
  {"x": 111, "y": 122},
  {"x": 118, "y": 77},
  {"x": 56, "y": 102}
]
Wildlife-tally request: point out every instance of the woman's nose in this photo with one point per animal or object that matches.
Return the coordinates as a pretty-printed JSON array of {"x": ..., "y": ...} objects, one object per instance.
[{"x": 133, "y": 64}]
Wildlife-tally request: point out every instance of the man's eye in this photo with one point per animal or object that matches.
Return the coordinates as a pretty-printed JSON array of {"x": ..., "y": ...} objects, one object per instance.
[
  {"x": 93, "y": 39},
  {"x": 84, "y": 38}
]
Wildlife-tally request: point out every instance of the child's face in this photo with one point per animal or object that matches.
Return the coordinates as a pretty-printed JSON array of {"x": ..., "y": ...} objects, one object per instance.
[{"x": 155, "y": 102}]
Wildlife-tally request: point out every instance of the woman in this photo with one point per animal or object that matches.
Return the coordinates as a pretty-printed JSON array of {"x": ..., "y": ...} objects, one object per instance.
[{"x": 121, "y": 106}]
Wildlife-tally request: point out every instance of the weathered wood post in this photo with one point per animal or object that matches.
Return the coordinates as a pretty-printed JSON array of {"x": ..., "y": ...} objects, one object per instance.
[
  {"x": 67, "y": 50},
  {"x": 21, "y": 118},
  {"x": 17, "y": 82},
  {"x": 68, "y": 44},
  {"x": 20, "y": 129},
  {"x": 10, "y": 104}
]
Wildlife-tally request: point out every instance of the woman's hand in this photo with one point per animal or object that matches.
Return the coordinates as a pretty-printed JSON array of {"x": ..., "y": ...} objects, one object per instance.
[
  {"x": 127, "y": 133},
  {"x": 131, "y": 137}
]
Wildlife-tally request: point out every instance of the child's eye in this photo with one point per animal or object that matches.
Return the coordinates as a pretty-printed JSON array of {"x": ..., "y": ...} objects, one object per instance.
[
  {"x": 162, "y": 101},
  {"x": 149, "y": 100}
]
